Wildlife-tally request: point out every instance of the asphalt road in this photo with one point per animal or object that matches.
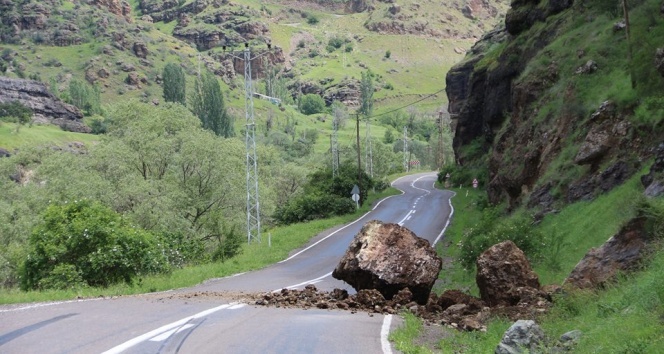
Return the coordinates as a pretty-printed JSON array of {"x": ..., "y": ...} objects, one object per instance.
[{"x": 171, "y": 322}]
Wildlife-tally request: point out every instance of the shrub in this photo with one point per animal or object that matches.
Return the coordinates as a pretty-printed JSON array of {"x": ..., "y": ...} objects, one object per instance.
[
  {"x": 312, "y": 19},
  {"x": 388, "y": 53},
  {"x": 335, "y": 42},
  {"x": 87, "y": 243},
  {"x": 311, "y": 104},
  {"x": 492, "y": 230},
  {"x": 310, "y": 207},
  {"x": 15, "y": 112}
]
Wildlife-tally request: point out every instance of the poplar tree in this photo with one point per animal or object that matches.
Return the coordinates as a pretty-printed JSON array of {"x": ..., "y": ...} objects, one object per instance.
[
  {"x": 174, "y": 84},
  {"x": 207, "y": 103}
]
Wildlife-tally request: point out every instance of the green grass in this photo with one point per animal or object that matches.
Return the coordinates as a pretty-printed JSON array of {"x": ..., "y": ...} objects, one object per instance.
[
  {"x": 254, "y": 256},
  {"x": 40, "y": 135},
  {"x": 635, "y": 304},
  {"x": 405, "y": 335}
]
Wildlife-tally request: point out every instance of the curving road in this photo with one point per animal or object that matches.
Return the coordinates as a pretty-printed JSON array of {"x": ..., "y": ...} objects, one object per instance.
[{"x": 163, "y": 323}]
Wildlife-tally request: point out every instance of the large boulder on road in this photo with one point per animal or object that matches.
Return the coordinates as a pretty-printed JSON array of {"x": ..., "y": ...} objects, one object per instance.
[
  {"x": 389, "y": 258},
  {"x": 504, "y": 276}
]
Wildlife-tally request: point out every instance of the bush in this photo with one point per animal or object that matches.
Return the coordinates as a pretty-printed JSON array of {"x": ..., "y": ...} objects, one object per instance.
[
  {"x": 492, "y": 230},
  {"x": 311, "y": 207},
  {"x": 86, "y": 243},
  {"x": 312, "y": 104},
  {"x": 388, "y": 54},
  {"x": 312, "y": 19},
  {"x": 15, "y": 112}
]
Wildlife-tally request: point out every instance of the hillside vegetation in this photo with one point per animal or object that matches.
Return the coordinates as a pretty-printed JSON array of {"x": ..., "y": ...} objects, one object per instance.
[{"x": 154, "y": 176}]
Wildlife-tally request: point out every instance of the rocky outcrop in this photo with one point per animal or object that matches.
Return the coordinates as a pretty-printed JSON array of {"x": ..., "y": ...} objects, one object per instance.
[
  {"x": 346, "y": 92},
  {"x": 389, "y": 258},
  {"x": 620, "y": 253},
  {"x": 659, "y": 61},
  {"x": 504, "y": 275},
  {"x": 117, "y": 7},
  {"x": 653, "y": 182},
  {"x": 525, "y": 13},
  {"x": 356, "y": 6},
  {"x": 140, "y": 49},
  {"x": 45, "y": 107}
]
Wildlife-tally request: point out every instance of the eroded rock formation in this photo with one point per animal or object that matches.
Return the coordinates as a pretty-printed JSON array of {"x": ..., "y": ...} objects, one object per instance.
[
  {"x": 45, "y": 107},
  {"x": 620, "y": 253}
]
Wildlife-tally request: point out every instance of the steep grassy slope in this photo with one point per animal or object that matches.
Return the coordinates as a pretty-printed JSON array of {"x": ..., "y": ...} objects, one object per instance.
[{"x": 532, "y": 99}]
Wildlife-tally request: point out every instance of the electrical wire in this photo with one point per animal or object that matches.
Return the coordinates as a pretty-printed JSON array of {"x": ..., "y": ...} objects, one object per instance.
[{"x": 408, "y": 105}]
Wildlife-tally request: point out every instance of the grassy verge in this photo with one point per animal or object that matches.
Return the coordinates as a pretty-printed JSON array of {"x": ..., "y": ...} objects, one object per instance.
[
  {"x": 634, "y": 304},
  {"x": 254, "y": 256}
]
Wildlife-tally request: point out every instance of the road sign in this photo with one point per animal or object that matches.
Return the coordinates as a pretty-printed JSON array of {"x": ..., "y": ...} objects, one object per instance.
[
  {"x": 475, "y": 183},
  {"x": 355, "y": 195},
  {"x": 447, "y": 176}
]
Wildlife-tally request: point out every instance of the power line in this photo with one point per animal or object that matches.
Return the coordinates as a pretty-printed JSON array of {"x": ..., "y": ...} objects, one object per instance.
[{"x": 408, "y": 105}]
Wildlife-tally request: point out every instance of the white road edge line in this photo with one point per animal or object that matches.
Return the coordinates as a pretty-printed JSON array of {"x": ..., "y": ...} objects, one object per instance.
[
  {"x": 142, "y": 338},
  {"x": 449, "y": 217},
  {"x": 44, "y": 304},
  {"x": 305, "y": 282},
  {"x": 384, "y": 333}
]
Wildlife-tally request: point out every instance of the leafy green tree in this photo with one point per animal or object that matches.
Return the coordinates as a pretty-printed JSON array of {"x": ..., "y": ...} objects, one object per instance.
[
  {"x": 311, "y": 104},
  {"x": 88, "y": 244},
  {"x": 85, "y": 97},
  {"x": 207, "y": 103},
  {"x": 388, "y": 138},
  {"x": 366, "y": 94},
  {"x": 174, "y": 84}
]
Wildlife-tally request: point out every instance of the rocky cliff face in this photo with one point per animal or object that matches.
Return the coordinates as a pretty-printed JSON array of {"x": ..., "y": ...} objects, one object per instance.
[
  {"x": 524, "y": 100},
  {"x": 45, "y": 107}
]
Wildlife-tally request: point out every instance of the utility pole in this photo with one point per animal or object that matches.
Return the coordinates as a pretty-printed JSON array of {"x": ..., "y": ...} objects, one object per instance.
[
  {"x": 405, "y": 148},
  {"x": 359, "y": 161},
  {"x": 334, "y": 146},
  {"x": 369, "y": 155},
  {"x": 253, "y": 204},
  {"x": 440, "y": 161}
]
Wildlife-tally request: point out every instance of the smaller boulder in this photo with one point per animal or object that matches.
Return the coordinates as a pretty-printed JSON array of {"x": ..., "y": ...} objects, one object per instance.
[
  {"x": 524, "y": 336},
  {"x": 588, "y": 68},
  {"x": 502, "y": 271}
]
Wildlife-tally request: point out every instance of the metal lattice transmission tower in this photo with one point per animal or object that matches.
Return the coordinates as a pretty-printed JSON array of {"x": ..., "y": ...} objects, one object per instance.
[
  {"x": 405, "y": 149},
  {"x": 253, "y": 204},
  {"x": 335, "y": 147},
  {"x": 368, "y": 161}
]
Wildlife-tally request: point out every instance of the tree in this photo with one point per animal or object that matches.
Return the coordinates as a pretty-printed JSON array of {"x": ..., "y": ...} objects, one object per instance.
[
  {"x": 366, "y": 94},
  {"x": 85, "y": 97},
  {"x": 312, "y": 103},
  {"x": 174, "y": 84},
  {"x": 389, "y": 137},
  {"x": 207, "y": 103},
  {"x": 15, "y": 112},
  {"x": 85, "y": 243}
]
